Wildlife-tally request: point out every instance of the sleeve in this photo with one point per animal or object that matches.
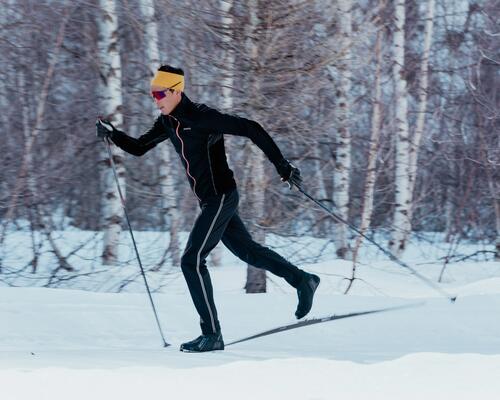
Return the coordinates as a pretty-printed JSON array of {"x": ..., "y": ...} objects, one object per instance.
[
  {"x": 156, "y": 134},
  {"x": 227, "y": 124}
]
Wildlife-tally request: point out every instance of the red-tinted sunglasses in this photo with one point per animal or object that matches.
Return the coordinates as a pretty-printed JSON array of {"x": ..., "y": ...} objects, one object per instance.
[{"x": 160, "y": 94}]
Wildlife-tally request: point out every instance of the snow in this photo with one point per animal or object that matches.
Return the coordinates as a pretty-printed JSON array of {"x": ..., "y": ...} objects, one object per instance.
[{"x": 94, "y": 344}]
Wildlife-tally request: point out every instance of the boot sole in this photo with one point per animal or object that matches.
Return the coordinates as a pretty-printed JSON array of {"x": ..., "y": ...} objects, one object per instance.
[{"x": 200, "y": 351}]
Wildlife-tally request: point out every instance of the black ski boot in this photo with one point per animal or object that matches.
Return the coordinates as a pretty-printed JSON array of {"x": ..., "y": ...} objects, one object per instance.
[
  {"x": 305, "y": 292},
  {"x": 202, "y": 343}
]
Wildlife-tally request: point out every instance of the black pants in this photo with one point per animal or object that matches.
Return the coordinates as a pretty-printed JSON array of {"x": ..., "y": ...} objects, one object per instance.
[{"x": 219, "y": 220}]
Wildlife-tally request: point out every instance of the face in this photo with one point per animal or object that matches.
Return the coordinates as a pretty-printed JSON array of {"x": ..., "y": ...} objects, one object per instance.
[{"x": 167, "y": 104}]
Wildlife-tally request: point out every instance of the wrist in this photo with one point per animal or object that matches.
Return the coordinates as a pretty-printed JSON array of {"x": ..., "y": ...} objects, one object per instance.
[{"x": 284, "y": 168}]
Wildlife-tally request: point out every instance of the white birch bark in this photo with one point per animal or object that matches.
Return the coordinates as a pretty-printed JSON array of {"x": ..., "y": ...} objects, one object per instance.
[
  {"x": 169, "y": 208},
  {"x": 448, "y": 212},
  {"x": 321, "y": 187},
  {"x": 30, "y": 192},
  {"x": 256, "y": 278},
  {"x": 28, "y": 153},
  {"x": 495, "y": 192},
  {"x": 321, "y": 191},
  {"x": 369, "y": 186},
  {"x": 494, "y": 187},
  {"x": 110, "y": 91},
  {"x": 422, "y": 97},
  {"x": 227, "y": 82},
  {"x": 343, "y": 136},
  {"x": 401, "y": 223}
]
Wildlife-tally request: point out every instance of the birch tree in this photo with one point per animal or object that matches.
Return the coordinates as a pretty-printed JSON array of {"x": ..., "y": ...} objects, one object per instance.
[
  {"x": 369, "y": 185},
  {"x": 422, "y": 103},
  {"x": 343, "y": 136},
  {"x": 422, "y": 94},
  {"x": 111, "y": 103},
  {"x": 227, "y": 82},
  {"x": 256, "y": 278},
  {"x": 407, "y": 149},
  {"x": 166, "y": 179},
  {"x": 401, "y": 225}
]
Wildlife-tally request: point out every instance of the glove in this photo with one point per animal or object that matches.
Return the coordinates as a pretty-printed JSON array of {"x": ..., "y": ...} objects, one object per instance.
[
  {"x": 289, "y": 173},
  {"x": 105, "y": 129}
]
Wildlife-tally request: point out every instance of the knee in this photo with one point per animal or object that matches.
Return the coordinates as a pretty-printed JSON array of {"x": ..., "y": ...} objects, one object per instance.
[
  {"x": 250, "y": 254},
  {"x": 188, "y": 263}
]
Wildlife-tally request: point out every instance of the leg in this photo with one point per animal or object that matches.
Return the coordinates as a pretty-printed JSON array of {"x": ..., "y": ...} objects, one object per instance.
[
  {"x": 239, "y": 241},
  {"x": 206, "y": 233}
]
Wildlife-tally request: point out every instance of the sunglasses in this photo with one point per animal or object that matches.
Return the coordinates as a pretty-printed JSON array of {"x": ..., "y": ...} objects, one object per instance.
[{"x": 160, "y": 94}]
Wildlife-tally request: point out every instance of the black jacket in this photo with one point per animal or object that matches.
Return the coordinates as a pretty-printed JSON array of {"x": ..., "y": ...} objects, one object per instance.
[{"x": 196, "y": 131}]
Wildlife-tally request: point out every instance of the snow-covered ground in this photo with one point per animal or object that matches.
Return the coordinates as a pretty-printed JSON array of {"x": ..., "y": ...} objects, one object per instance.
[{"x": 82, "y": 344}]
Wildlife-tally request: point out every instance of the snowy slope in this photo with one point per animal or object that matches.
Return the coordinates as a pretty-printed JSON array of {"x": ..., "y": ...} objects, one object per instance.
[
  {"x": 57, "y": 342},
  {"x": 61, "y": 343}
]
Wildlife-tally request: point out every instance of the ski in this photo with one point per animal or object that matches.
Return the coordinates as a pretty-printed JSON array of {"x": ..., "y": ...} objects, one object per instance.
[{"x": 313, "y": 321}]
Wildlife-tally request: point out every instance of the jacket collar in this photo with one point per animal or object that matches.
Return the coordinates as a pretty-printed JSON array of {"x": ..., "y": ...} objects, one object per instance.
[{"x": 182, "y": 108}]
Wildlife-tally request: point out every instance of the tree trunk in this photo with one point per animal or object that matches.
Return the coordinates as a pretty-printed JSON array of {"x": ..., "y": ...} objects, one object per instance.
[
  {"x": 228, "y": 60},
  {"x": 256, "y": 278},
  {"x": 320, "y": 192},
  {"x": 401, "y": 222},
  {"x": 111, "y": 107},
  {"x": 227, "y": 82},
  {"x": 422, "y": 100},
  {"x": 29, "y": 189},
  {"x": 169, "y": 210},
  {"x": 369, "y": 186},
  {"x": 343, "y": 137}
]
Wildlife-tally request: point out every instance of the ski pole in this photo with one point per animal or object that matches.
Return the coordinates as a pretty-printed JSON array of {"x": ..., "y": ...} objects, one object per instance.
[
  {"x": 386, "y": 252},
  {"x": 165, "y": 344}
]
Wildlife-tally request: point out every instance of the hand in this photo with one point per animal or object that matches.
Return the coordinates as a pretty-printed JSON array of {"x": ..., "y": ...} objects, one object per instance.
[
  {"x": 289, "y": 173},
  {"x": 105, "y": 129}
]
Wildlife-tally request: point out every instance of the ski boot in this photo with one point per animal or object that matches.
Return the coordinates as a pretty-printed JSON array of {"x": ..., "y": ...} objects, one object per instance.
[
  {"x": 210, "y": 342},
  {"x": 305, "y": 293}
]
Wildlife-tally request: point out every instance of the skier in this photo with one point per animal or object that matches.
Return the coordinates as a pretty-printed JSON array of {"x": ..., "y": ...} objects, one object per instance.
[{"x": 196, "y": 131}]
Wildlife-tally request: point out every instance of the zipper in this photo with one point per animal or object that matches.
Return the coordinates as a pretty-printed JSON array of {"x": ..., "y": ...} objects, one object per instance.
[
  {"x": 210, "y": 167},
  {"x": 184, "y": 156}
]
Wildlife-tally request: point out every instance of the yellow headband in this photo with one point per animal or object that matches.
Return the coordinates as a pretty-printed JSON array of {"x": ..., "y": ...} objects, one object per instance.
[{"x": 168, "y": 80}]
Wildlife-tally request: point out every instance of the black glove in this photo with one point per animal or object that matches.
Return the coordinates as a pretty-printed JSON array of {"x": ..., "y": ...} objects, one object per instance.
[
  {"x": 289, "y": 173},
  {"x": 105, "y": 129}
]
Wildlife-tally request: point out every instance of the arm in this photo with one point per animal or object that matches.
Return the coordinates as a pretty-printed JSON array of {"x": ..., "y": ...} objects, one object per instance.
[{"x": 144, "y": 143}]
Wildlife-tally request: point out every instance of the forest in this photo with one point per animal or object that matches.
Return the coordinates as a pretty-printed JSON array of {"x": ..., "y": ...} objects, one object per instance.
[{"x": 390, "y": 109}]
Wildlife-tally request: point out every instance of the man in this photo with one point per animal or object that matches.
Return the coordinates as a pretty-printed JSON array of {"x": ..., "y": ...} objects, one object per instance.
[{"x": 196, "y": 131}]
